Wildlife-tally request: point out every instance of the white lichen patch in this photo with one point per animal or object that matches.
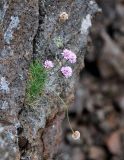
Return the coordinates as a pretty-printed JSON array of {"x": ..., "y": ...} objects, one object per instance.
[
  {"x": 7, "y": 51},
  {"x": 2, "y": 142},
  {"x": 10, "y": 135},
  {"x": 4, "y": 85},
  {"x": 86, "y": 24},
  {"x": 92, "y": 2},
  {"x": 3, "y": 10},
  {"x": 4, "y": 105},
  {"x": 1, "y": 129},
  {"x": 10, "y": 30}
]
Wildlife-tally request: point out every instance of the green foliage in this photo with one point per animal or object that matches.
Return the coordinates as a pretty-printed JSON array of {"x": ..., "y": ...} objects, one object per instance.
[
  {"x": 59, "y": 42},
  {"x": 36, "y": 81}
]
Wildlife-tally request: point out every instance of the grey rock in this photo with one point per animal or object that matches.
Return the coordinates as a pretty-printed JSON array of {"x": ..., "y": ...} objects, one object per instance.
[
  {"x": 18, "y": 26},
  {"x": 30, "y": 29}
]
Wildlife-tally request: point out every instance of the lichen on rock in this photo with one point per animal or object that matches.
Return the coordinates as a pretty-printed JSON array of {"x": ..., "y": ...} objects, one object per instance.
[{"x": 8, "y": 35}]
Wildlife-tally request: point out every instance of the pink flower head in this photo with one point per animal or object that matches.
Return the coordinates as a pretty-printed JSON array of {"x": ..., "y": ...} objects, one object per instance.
[
  {"x": 69, "y": 55},
  {"x": 66, "y": 71},
  {"x": 48, "y": 64}
]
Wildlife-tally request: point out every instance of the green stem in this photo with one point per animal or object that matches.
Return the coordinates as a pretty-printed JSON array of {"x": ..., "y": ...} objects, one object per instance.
[{"x": 66, "y": 107}]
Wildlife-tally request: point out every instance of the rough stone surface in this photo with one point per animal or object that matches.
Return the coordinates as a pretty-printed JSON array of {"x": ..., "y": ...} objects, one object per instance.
[
  {"x": 33, "y": 29},
  {"x": 18, "y": 26},
  {"x": 71, "y": 34}
]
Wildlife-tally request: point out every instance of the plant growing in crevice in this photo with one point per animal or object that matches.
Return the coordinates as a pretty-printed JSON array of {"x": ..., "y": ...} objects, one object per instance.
[
  {"x": 67, "y": 72},
  {"x": 38, "y": 77},
  {"x": 36, "y": 81}
]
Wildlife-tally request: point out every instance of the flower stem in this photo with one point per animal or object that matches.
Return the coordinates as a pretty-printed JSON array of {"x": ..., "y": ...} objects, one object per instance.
[{"x": 66, "y": 107}]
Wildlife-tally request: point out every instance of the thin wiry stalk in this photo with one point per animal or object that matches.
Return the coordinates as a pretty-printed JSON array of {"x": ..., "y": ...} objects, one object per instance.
[{"x": 66, "y": 107}]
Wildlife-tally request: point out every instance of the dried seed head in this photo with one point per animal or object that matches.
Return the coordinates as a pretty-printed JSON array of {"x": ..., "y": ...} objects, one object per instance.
[
  {"x": 63, "y": 16},
  {"x": 76, "y": 135}
]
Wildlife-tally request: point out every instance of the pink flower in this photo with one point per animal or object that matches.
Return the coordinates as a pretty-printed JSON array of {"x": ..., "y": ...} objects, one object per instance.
[
  {"x": 66, "y": 71},
  {"x": 69, "y": 55},
  {"x": 48, "y": 64}
]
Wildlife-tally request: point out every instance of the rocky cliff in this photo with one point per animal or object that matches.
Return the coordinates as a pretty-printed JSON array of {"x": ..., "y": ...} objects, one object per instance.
[{"x": 34, "y": 30}]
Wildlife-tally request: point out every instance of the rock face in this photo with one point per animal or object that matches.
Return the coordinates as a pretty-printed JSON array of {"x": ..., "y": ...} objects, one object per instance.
[
  {"x": 18, "y": 26},
  {"x": 33, "y": 29}
]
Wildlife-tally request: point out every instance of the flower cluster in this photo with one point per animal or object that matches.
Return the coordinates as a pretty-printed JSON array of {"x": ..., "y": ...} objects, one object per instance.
[
  {"x": 69, "y": 55},
  {"x": 48, "y": 64},
  {"x": 66, "y": 70}
]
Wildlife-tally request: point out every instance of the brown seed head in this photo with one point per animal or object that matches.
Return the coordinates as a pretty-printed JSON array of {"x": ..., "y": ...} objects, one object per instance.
[
  {"x": 76, "y": 135},
  {"x": 63, "y": 16}
]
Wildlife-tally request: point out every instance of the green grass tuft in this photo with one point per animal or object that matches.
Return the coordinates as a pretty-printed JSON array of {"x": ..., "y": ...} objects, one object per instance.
[{"x": 36, "y": 81}]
